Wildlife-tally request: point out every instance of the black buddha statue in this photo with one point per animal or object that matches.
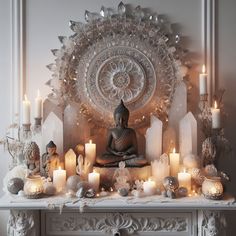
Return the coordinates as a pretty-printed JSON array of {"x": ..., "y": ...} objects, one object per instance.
[{"x": 121, "y": 143}]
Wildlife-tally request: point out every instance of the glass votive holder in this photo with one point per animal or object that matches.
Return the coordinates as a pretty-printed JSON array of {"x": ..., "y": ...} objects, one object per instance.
[
  {"x": 33, "y": 187},
  {"x": 212, "y": 188}
]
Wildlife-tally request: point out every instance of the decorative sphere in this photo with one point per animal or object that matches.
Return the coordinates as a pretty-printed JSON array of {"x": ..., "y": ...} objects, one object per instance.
[
  {"x": 90, "y": 193},
  {"x": 15, "y": 185},
  {"x": 123, "y": 192},
  {"x": 170, "y": 183},
  {"x": 182, "y": 192},
  {"x": 49, "y": 188},
  {"x": 72, "y": 183},
  {"x": 82, "y": 187},
  {"x": 190, "y": 161}
]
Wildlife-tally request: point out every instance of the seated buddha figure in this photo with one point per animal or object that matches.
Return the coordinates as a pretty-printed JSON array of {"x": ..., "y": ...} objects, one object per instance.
[{"x": 121, "y": 143}]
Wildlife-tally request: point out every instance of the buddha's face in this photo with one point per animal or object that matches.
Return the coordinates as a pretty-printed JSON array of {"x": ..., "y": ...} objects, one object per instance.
[
  {"x": 121, "y": 120},
  {"x": 51, "y": 150}
]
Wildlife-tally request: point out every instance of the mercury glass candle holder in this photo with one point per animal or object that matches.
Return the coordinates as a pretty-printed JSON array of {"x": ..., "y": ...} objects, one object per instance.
[
  {"x": 212, "y": 188},
  {"x": 33, "y": 187}
]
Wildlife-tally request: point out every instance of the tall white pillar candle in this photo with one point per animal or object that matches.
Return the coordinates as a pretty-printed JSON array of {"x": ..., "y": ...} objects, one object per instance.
[
  {"x": 38, "y": 106},
  {"x": 90, "y": 152},
  {"x": 184, "y": 179},
  {"x": 203, "y": 81},
  {"x": 59, "y": 179},
  {"x": 94, "y": 180},
  {"x": 26, "y": 111},
  {"x": 215, "y": 116},
  {"x": 174, "y": 163}
]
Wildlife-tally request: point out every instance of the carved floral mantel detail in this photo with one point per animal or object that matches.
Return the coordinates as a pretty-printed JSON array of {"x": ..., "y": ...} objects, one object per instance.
[
  {"x": 128, "y": 54},
  {"x": 21, "y": 223},
  {"x": 117, "y": 222},
  {"x": 212, "y": 223}
]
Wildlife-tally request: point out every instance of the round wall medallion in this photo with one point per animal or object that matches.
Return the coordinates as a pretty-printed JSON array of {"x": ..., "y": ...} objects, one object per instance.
[{"x": 128, "y": 55}]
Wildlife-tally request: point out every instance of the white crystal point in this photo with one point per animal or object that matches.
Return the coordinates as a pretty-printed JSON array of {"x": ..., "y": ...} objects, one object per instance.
[
  {"x": 178, "y": 108},
  {"x": 121, "y": 8},
  {"x": 154, "y": 139},
  {"x": 188, "y": 135},
  {"x": 70, "y": 156},
  {"x": 70, "y": 153},
  {"x": 52, "y": 129}
]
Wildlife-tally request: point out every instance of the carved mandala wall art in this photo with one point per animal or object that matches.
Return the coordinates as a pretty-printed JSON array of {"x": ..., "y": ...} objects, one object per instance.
[{"x": 126, "y": 54}]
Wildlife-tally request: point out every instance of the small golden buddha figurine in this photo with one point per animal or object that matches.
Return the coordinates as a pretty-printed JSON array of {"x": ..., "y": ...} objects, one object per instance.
[
  {"x": 49, "y": 160},
  {"x": 122, "y": 143}
]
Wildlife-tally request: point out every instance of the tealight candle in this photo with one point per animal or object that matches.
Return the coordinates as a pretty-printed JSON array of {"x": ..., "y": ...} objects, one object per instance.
[
  {"x": 184, "y": 179},
  {"x": 94, "y": 180},
  {"x": 203, "y": 81},
  {"x": 149, "y": 187},
  {"x": 90, "y": 152},
  {"x": 212, "y": 188},
  {"x": 174, "y": 163},
  {"x": 215, "y": 116},
  {"x": 26, "y": 111},
  {"x": 38, "y": 106},
  {"x": 59, "y": 179}
]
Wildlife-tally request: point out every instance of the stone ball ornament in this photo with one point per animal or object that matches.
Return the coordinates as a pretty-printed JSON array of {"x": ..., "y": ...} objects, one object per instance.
[
  {"x": 118, "y": 54},
  {"x": 15, "y": 185}
]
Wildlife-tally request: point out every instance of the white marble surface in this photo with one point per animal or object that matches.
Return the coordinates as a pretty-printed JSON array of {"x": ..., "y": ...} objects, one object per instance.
[{"x": 117, "y": 202}]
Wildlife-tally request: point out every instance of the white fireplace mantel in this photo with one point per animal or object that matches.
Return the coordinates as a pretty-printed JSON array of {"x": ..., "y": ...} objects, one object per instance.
[{"x": 114, "y": 215}]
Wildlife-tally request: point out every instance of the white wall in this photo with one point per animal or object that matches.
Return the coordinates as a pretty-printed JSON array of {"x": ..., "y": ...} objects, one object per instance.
[
  {"x": 5, "y": 117},
  {"x": 45, "y": 20}
]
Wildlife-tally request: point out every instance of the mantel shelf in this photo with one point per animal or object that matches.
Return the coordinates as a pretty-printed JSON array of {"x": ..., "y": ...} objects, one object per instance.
[{"x": 116, "y": 202}]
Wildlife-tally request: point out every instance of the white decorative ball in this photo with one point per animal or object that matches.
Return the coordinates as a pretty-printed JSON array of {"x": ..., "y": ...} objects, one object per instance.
[
  {"x": 190, "y": 161},
  {"x": 72, "y": 183}
]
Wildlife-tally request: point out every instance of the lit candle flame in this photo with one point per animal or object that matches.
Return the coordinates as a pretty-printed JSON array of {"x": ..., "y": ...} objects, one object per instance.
[
  {"x": 203, "y": 69},
  {"x": 25, "y": 96},
  {"x": 215, "y": 105},
  {"x": 174, "y": 150},
  {"x": 59, "y": 168},
  {"x": 90, "y": 141}
]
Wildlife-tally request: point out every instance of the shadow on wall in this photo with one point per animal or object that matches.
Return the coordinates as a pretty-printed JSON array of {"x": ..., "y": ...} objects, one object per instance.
[{"x": 228, "y": 164}]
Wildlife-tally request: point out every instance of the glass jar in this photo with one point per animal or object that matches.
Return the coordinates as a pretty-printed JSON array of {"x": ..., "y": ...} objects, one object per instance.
[
  {"x": 212, "y": 188},
  {"x": 33, "y": 187}
]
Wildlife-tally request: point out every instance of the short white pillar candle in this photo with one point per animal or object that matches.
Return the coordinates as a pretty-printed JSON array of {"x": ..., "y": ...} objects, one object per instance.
[
  {"x": 184, "y": 179},
  {"x": 59, "y": 179},
  {"x": 94, "y": 180},
  {"x": 149, "y": 187}
]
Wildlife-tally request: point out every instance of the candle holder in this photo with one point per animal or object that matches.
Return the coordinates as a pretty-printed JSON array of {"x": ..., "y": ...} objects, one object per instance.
[
  {"x": 26, "y": 132},
  {"x": 33, "y": 187},
  {"x": 38, "y": 121},
  {"x": 37, "y": 125},
  {"x": 212, "y": 188}
]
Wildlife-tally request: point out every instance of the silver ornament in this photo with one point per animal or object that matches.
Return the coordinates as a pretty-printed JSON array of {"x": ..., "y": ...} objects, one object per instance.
[
  {"x": 123, "y": 192},
  {"x": 170, "y": 183},
  {"x": 90, "y": 193},
  {"x": 15, "y": 185},
  {"x": 182, "y": 192}
]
